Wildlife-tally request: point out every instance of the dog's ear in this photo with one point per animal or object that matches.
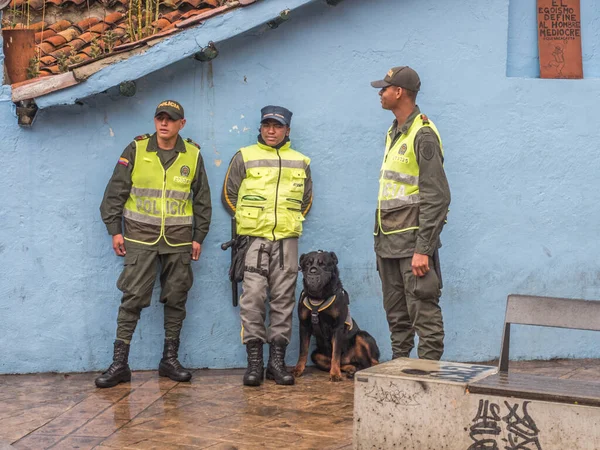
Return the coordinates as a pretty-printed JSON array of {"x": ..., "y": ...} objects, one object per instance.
[
  {"x": 334, "y": 257},
  {"x": 302, "y": 258}
]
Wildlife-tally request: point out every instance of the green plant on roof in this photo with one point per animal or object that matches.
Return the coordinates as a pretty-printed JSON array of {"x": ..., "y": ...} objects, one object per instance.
[
  {"x": 33, "y": 71},
  {"x": 140, "y": 15},
  {"x": 63, "y": 61},
  {"x": 18, "y": 16},
  {"x": 73, "y": 57},
  {"x": 95, "y": 49},
  {"x": 109, "y": 40}
]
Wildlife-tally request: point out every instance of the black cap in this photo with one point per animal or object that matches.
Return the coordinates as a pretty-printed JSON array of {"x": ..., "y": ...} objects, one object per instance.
[
  {"x": 278, "y": 113},
  {"x": 402, "y": 76},
  {"x": 170, "y": 107}
]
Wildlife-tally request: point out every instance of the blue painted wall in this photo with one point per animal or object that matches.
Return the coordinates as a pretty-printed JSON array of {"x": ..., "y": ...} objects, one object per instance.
[{"x": 521, "y": 160}]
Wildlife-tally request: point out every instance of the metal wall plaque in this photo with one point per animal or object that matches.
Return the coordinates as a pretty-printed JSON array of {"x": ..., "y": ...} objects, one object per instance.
[{"x": 559, "y": 38}]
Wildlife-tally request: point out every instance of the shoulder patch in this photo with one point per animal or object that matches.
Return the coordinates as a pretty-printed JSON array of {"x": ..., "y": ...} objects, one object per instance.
[
  {"x": 425, "y": 119},
  {"x": 428, "y": 150},
  {"x": 141, "y": 137},
  {"x": 189, "y": 141}
]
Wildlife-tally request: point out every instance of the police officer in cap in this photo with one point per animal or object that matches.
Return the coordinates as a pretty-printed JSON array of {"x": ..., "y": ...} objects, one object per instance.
[
  {"x": 157, "y": 209},
  {"x": 412, "y": 205},
  {"x": 268, "y": 188}
]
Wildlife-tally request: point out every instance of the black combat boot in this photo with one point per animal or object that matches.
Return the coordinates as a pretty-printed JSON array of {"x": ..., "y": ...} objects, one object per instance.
[
  {"x": 169, "y": 365},
  {"x": 276, "y": 366},
  {"x": 255, "y": 373},
  {"x": 119, "y": 371}
]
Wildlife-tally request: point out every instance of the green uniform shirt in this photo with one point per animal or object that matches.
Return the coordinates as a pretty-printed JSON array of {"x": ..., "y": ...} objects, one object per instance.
[
  {"x": 433, "y": 191},
  {"x": 117, "y": 193}
]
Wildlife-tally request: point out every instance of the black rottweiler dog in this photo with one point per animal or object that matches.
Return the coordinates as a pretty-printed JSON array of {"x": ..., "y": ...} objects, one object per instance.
[{"x": 323, "y": 310}]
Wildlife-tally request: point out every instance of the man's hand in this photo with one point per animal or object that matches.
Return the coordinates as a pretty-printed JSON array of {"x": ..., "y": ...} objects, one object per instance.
[
  {"x": 118, "y": 245},
  {"x": 420, "y": 265},
  {"x": 196, "y": 250}
]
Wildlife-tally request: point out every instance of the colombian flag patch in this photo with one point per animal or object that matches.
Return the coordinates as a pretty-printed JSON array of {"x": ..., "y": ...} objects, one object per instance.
[{"x": 123, "y": 161}]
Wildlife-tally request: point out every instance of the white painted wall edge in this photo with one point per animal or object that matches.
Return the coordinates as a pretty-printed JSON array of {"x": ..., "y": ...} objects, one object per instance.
[{"x": 173, "y": 49}]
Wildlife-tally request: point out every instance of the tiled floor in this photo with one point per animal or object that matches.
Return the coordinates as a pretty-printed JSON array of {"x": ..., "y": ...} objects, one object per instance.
[{"x": 66, "y": 411}]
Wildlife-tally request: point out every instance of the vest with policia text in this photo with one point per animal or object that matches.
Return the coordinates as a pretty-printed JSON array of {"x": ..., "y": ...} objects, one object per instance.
[
  {"x": 160, "y": 202},
  {"x": 398, "y": 199},
  {"x": 269, "y": 203}
]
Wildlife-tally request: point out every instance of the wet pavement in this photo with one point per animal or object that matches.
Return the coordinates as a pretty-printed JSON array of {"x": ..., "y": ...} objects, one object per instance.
[{"x": 214, "y": 410}]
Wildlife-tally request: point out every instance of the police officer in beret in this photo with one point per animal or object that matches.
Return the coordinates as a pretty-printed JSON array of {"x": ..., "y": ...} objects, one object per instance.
[
  {"x": 268, "y": 188},
  {"x": 157, "y": 209},
  {"x": 412, "y": 205}
]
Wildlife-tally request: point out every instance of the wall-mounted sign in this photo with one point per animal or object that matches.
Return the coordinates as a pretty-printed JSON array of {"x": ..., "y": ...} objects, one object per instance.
[{"x": 559, "y": 39}]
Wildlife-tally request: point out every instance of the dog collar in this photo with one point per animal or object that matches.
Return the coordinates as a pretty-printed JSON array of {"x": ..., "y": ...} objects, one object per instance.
[{"x": 318, "y": 305}]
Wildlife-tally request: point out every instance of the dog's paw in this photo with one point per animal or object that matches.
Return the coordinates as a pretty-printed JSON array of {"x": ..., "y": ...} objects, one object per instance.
[
  {"x": 298, "y": 371},
  {"x": 335, "y": 378},
  {"x": 350, "y": 374}
]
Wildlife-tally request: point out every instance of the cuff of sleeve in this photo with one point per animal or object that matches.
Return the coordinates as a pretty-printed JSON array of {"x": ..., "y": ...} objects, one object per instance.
[
  {"x": 199, "y": 237},
  {"x": 114, "y": 228},
  {"x": 424, "y": 248}
]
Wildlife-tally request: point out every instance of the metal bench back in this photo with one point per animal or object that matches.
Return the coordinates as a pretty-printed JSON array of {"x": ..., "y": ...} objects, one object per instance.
[{"x": 547, "y": 312}]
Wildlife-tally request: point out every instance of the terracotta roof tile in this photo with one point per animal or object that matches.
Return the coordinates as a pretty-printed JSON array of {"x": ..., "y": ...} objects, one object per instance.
[
  {"x": 53, "y": 70},
  {"x": 60, "y": 25},
  {"x": 161, "y": 24},
  {"x": 56, "y": 41},
  {"x": 37, "y": 27},
  {"x": 44, "y": 35},
  {"x": 88, "y": 37},
  {"x": 77, "y": 44},
  {"x": 172, "y": 16},
  {"x": 100, "y": 28},
  {"x": 86, "y": 25},
  {"x": 47, "y": 60},
  {"x": 194, "y": 12},
  {"x": 70, "y": 33},
  {"x": 46, "y": 48},
  {"x": 197, "y": 4},
  {"x": 63, "y": 51}
]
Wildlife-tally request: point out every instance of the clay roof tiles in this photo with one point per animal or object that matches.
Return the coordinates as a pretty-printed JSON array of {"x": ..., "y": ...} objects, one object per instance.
[{"x": 86, "y": 30}]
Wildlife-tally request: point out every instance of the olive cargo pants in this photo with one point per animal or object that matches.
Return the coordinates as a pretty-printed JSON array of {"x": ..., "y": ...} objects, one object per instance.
[
  {"x": 137, "y": 281},
  {"x": 412, "y": 304}
]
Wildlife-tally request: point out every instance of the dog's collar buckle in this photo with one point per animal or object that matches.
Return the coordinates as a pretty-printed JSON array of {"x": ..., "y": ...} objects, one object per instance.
[{"x": 314, "y": 316}]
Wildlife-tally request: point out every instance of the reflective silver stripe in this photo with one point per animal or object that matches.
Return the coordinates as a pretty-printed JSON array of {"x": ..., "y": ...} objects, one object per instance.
[
  {"x": 288, "y": 163},
  {"x": 157, "y": 193},
  {"x": 177, "y": 195},
  {"x": 400, "y": 201},
  {"x": 181, "y": 220},
  {"x": 145, "y": 192},
  {"x": 399, "y": 177},
  {"x": 142, "y": 218}
]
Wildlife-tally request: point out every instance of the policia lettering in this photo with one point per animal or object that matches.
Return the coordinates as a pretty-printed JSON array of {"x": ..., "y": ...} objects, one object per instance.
[
  {"x": 398, "y": 200},
  {"x": 165, "y": 212},
  {"x": 270, "y": 197}
]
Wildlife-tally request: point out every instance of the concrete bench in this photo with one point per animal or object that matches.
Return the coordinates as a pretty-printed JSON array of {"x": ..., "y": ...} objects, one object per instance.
[{"x": 415, "y": 404}]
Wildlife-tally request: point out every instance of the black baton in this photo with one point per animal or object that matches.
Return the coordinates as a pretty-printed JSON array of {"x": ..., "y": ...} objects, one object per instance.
[{"x": 225, "y": 246}]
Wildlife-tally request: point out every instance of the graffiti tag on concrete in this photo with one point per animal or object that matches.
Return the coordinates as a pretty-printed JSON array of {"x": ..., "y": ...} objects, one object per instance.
[
  {"x": 393, "y": 394},
  {"x": 521, "y": 431}
]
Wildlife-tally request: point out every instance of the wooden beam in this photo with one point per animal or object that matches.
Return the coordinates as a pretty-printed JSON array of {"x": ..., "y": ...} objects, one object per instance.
[{"x": 43, "y": 86}]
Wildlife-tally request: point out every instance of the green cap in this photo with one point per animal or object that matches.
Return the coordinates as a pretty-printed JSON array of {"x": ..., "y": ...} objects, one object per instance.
[
  {"x": 170, "y": 107},
  {"x": 402, "y": 76}
]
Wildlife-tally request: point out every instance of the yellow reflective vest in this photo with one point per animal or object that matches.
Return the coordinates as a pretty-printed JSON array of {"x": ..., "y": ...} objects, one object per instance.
[
  {"x": 269, "y": 202},
  {"x": 160, "y": 201},
  {"x": 398, "y": 199}
]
